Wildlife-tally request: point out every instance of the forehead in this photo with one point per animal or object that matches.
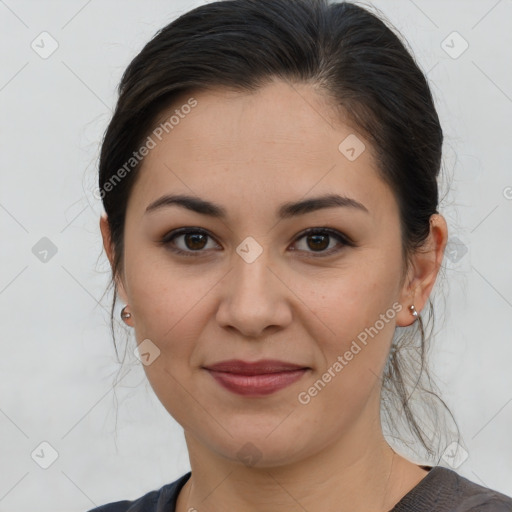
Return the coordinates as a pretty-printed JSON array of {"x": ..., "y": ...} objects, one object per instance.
[
  {"x": 280, "y": 141},
  {"x": 281, "y": 114}
]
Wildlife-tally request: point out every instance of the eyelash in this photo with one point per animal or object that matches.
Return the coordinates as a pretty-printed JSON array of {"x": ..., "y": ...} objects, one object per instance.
[{"x": 171, "y": 236}]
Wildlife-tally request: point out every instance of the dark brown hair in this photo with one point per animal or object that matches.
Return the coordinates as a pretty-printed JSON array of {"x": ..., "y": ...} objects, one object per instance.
[{"x": 353, "y": 58}]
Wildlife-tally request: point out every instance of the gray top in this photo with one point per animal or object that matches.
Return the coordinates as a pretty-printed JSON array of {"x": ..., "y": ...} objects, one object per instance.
[{"x": 441, "y": 490}]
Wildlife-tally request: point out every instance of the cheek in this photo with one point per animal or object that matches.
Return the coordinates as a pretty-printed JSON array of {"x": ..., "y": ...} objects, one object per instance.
[
  {"x": 362, "y": 291},
  {"x": 167, "y": 301},
  {"x": 169, "y": 308},
  {"x": 359, "y": 308}
]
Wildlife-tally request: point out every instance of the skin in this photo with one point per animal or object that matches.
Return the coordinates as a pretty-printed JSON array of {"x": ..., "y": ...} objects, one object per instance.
[{"x": 250, "y": 153}]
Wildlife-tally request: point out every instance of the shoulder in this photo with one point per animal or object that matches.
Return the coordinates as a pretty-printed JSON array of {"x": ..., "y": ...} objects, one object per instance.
[
  {"x": 473, "y": 497},
  {"x": 160, "y": 500},
  {"x": 444, "y": 490}
]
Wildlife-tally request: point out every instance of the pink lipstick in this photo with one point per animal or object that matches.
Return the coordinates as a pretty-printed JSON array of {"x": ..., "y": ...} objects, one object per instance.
[{"x": 258, "y": 378}]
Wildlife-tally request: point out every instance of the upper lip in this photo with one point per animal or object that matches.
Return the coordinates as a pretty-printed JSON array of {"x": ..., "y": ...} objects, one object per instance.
[{"x": 254, "y": 368}]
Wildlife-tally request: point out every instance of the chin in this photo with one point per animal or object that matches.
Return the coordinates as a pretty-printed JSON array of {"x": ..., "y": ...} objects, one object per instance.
[{"x": 256, "y": 448}]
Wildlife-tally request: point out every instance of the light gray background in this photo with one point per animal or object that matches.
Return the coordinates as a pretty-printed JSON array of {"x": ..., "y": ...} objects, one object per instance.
[{"x": 58, "y": 363}]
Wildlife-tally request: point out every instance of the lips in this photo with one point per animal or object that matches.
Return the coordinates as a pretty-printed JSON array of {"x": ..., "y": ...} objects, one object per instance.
[
  {"x": 265, "y": 366},
  {"x": 255, "y": 379}
]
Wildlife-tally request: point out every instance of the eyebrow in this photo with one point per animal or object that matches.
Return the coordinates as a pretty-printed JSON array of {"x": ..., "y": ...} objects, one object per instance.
[{"x": 287, "y": 210}]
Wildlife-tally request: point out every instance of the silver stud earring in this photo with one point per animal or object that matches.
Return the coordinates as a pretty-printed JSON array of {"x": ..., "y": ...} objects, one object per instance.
[
  {"x": 413, "y": 311},
  {"x": 125, "y": 314}
]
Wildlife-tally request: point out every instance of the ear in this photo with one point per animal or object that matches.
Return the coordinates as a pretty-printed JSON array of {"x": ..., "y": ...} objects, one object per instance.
[
  {"x": 423, "y": 270},
  {"x": 109, "y": 249}
]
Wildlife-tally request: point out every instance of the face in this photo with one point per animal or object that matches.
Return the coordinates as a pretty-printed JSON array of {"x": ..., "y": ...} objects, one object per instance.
[{"x": 251, "y": 284}]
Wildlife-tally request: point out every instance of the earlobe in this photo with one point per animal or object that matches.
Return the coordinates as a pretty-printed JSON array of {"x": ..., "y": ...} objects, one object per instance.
[
  {"x": 408, "y": 315},
  {"x": 126, "y": 316},
  {"x": 424, "y": 268}
]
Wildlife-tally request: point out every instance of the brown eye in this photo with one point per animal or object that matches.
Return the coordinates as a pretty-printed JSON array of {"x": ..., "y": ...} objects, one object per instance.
[
  {"x": 193, "y": 240},
  {"x": 318, "y": 242},
  {"x": 323, "y": 241}
]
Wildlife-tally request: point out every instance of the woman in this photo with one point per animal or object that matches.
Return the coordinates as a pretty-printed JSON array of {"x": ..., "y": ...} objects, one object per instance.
[{"x": 269, "y": 179}]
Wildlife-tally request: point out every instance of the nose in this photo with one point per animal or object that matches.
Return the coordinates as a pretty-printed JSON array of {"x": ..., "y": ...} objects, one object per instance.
[{"x": 255, "y": 299}]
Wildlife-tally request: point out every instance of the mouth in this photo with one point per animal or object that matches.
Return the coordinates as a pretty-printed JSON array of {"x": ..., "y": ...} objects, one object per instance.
[{"x": 258, "y": 378}]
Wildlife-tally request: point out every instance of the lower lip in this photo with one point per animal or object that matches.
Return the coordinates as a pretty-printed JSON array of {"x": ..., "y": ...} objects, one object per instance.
[{"x": 257, "y": 385}]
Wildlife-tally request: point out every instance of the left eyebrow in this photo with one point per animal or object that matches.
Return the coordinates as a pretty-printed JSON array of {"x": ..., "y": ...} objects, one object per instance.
[
  {"x": 285, "y": 211},
  {"x": 288, "y": 210}
]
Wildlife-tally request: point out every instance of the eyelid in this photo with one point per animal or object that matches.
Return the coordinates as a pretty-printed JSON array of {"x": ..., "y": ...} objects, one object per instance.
[
  {"x": 342, "y": 238},
  {"x": 330, "y": 231},
  {"x": 168, "y": 238}
]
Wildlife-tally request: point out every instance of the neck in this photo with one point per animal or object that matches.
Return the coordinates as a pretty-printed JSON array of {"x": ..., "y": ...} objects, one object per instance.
[{"x": 354, "y": 473}]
